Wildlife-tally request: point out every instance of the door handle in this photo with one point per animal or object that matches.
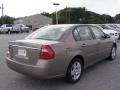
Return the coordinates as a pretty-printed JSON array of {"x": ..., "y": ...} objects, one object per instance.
[
  {"x": 83, "y": 45},
  {"x": 99, "y": 43},
  {"x": 68, "y": 48}
]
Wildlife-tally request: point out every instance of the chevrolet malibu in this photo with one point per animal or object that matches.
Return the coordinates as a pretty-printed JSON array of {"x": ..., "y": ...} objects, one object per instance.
[{"x": 60, "y": 51}]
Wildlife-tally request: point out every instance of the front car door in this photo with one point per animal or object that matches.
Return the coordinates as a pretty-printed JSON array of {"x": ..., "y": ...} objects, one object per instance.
[
  {"x": 104, "y": 43},
  {"x": 87, "y": 44}
]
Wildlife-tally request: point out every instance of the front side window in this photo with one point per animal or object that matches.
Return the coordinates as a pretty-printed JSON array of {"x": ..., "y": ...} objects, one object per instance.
[
  {"x": 97, "y": 32},
  {"x": 8, "y": 25},
  {"x": 85, "y": 33}
]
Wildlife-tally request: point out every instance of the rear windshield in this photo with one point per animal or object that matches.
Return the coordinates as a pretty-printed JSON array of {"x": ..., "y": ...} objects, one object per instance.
[{"x": 48, "y": 33}]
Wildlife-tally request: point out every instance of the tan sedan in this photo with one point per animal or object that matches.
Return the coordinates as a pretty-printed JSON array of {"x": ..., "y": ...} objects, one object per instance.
[{"x": 60, "y": 51}]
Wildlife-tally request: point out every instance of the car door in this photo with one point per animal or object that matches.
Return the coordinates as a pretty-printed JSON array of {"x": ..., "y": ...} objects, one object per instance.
[
  {"x": 104, "y": 43},
  {"x": 87, "y": 44}
]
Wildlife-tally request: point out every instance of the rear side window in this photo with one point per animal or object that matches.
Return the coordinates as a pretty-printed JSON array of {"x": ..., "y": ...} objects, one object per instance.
[
  {"x": 97, "y": 32},
  {"x": 76, "y": 35},
  {"x": 85, "y": 33}
]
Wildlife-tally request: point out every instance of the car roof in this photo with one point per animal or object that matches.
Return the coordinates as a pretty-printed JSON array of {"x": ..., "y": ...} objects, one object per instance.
[{"x": 71, "y": 25}]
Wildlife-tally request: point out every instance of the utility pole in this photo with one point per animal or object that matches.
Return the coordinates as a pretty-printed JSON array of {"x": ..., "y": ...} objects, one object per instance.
[
  {"x": 66, "y": 14},
  {"x": 56, "y": 4},
  {"x": 2, "y": 10},
  {"x": 2, "y": 7},
  {"x": 69, "y": 12}
]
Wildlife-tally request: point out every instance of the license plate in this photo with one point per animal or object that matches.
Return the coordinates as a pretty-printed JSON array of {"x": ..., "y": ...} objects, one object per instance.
[{"x": 22, "y": 52}]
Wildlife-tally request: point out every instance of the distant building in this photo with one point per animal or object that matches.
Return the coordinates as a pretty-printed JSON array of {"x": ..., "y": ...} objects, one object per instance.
[{"x": 34, "y": 21}]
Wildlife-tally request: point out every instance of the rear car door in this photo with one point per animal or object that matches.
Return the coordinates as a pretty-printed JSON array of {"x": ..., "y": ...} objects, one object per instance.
[
  {"x": 87, "y": 44},
  {"x": 104, "y": 43}
]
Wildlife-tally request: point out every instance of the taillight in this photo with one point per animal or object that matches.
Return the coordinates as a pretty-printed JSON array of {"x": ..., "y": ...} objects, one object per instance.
[
  {"x": 46, "y": 52},
  {"x": 8, "y": 52}
]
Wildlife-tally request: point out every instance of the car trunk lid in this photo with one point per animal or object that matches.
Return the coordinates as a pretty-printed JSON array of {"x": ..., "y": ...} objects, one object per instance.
[{"x": 27, "y": 51}]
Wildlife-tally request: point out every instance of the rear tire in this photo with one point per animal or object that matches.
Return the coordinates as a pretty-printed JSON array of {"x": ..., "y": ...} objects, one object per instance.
[
  {"x": 27, "y": 31},
  {"x": 113, "y": 53},
  {"x": 9, "y": 32},
  {"x": 75, "y": 70}
]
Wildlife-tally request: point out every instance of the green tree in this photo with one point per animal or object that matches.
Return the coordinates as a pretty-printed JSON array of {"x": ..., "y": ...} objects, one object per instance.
[
  {"x": 46, "y": 14},
  {"x": 81, "y": 15},
  {"x": 7, "y": 20},
  {"x": 117, "y": 18}
]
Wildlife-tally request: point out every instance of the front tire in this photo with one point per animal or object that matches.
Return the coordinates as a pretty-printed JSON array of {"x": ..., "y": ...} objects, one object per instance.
[
  {"x": 27, "y": 31},
  {"x": 74, "y": 71},
  {"x": 9, "y": 32},
  {"x": 113, "y": 53}
]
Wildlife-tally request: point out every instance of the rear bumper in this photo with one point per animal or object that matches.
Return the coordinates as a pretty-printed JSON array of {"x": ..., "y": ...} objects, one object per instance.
[{"x": 32, "y": 70}]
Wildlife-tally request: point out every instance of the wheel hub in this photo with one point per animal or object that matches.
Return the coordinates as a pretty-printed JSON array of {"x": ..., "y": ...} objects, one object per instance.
[{"x": 76, "y": 70}]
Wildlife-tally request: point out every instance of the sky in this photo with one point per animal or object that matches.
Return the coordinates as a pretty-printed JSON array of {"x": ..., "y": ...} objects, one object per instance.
[{"x": 21, "y": 8}]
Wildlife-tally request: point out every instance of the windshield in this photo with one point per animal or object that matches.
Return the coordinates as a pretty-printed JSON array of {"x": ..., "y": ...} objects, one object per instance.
[
  {"x": 104, "y": 26},
  {"x": 113, "y": 26},
  {"x": 48, "y": 33}
]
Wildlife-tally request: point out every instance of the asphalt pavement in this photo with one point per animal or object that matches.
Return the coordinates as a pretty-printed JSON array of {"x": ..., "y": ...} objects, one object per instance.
[{"x": 104, "y": 75}]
